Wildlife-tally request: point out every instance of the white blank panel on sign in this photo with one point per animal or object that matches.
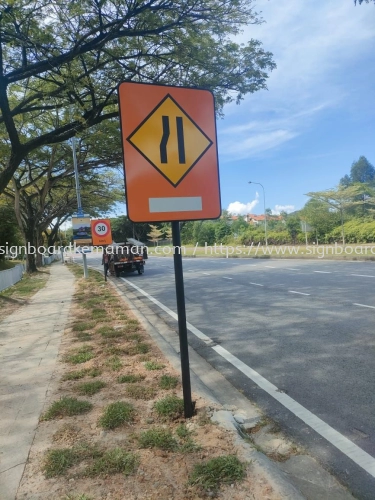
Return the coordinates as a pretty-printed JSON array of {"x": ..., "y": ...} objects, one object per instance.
[{"x": 175, "y": 204}]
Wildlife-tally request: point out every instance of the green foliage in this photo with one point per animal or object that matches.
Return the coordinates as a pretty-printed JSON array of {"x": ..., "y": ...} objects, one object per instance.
[
  {"x": 114, "y": 363},
  {"x": 116, "y": 415},
  {"x": 110, "y": 333},
  {"x": 130, "y": 379},
  {"x": 66, "y": 407},
  {"x": 78, "y": 374},
  {"x": 170, "y": 407},
  {"x": 158, "y": 438},
  {"x": 90, "y": 388},
  {"x": 168, "y": 382},
  {"x": 58, "y": 461},
  {"x": 153, "y": 365},
  {"x": 113, "y": 462},
  {"x": 80, "y": 355},
  {"x": 217, "y": 471}
]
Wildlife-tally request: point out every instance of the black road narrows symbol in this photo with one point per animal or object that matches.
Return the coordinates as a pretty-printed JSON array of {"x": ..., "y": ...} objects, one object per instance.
[
  {"x": 180, "y": 140},
  {"x": 164, "y": 139}
]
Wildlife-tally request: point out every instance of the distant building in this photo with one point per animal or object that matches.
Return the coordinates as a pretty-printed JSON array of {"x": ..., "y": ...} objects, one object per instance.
[{"x": 254, "y": 219}]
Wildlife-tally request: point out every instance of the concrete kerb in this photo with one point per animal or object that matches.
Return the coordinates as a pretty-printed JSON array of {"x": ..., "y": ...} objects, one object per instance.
[{"x": 31, "y": 338}]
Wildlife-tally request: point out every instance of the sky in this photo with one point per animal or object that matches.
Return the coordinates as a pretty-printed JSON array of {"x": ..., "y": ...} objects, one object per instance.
[{"x": 317, "y": 116}]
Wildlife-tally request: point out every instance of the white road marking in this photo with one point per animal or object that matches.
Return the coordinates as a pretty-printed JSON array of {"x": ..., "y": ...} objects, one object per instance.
[
  {"x": 363, "y": 275},
  {"x": 363, "y": 305},
  {"x": 351, "y": 450},
  {"x": 291, "y": 269},
  {"x": 208, "y": 274},
  {"x": 323, "y": 272},
  {"x": 342, "y": 443},
  {"x": 256, "y": 284},
  {"x": 225, "y": 278},
  {"x": 271, "y": 267},
  {"x": 299, "y": 293}
]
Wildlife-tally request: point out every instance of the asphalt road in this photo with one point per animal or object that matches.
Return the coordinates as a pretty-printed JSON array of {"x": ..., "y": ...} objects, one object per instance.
[{"x": 305, "y": 326}]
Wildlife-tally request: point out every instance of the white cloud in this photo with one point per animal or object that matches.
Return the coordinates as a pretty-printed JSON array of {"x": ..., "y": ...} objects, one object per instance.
[
  {"x": 283, "y": 208},
  {"x": 314, "y": 46},
  {"x": 238, "y": 208}
]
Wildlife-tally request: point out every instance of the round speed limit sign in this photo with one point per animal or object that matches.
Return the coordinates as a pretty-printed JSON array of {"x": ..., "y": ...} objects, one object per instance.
[{"x": 101, "y": 228}]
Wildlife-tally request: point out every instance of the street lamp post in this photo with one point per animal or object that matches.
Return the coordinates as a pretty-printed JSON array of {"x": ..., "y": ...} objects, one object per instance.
[{"x": 264, "y": 204}]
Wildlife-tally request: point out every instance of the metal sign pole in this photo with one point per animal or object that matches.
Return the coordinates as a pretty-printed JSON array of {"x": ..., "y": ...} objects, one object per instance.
[{"x": 181, "y": 313}]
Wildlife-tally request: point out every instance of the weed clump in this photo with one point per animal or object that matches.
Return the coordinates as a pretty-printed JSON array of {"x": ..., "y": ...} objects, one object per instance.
[
  {"x": 90, "y": 388},
  {"x": 130, "y": 379},
  {"x": 114, "y": 363},
  {"x": 170, "y": 407},
  {"x": 158, "y": 438},
  {"x": 108, "y": 332},
  {"x": 168, "y": 382},
  {"x": 80, "y": 355},
  {"x": 116, "y": 414},
  {"x": 58, "y": 461},
  {"x": 78, "y": 374},
  {"x": 153, "y": 365},
  {"x": 113, "y": 462},
  {"x": 66, "y": 407},
  {"x": 217, "y": 471}
]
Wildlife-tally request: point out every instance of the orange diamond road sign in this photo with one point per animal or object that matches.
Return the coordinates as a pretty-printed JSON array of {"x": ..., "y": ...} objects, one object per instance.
[
  {"x": 101, "y": 232},
  {"x": 170, "y": 153}
]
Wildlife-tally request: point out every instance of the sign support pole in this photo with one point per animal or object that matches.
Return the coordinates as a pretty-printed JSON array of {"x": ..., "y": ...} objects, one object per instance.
[{"x": 181, "y": 313}]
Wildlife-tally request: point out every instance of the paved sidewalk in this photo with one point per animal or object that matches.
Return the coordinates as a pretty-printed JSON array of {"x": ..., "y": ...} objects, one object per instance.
[{"x": 29, "y": 341}]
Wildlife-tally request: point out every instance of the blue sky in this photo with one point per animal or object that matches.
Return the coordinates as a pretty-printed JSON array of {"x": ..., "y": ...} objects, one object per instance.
[{"x": 318, "y": 113}]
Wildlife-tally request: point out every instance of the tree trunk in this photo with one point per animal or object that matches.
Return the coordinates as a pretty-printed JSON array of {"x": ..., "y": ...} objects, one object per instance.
[{"x": 31, "y": 243}]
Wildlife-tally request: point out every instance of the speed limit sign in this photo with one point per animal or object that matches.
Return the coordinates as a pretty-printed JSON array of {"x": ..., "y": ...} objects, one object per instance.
[{"x": 101, "y": 232}]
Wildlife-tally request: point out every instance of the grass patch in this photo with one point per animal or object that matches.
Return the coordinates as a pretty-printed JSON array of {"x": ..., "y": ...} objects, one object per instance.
[
  {"x": 82, "y": 326},
  {"x": 114, "y": 363},
  {"x": 92, "y": 302},
  {"x": 112, "y": 349},
  {"x": 158, "y": 438},
  {"x": 136, "y": 337},
  {"x": 170, "y": 407},
  {"x": 140, "y": 348},
  {"x": 90, "y": 388},
  {"x": 217, "y": 471},
  {"x": 66, "y": 407},
  {"x": 85, "y": 372},
  {"x": 57, "y": 462},
  {"x": 116, "y": 414},
  {"x": 98, "y": 313},
  {"x": 83, "y": 337},
  {"x": 140, "y": 392},
  {"x": 182, "y": 431},
  {"x": 113, "y": 462},
  {"x": 110, "y": 333},
  {"x": 153, "y": 365},
  {"x": 130, "y": 379},
  {"x": 80, "y": 355},
  {"x": 168, "y": 382}
]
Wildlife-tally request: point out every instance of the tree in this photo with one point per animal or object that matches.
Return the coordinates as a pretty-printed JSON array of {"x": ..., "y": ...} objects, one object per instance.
[
  {"x": 123, "y": 228},
  {"x": 44, "y": 195},
  {"x": 361, "y": 171},
  {"x": 361, "y": 1},
  {"x": 155, "y": 234},
  {"x": 293, "y": 226},
  {"x": 319, "y": 215},
  {"x": 70, "y": 56},
  {"x": 9, "y": 232},
  {"x": 339, "y": 199}
]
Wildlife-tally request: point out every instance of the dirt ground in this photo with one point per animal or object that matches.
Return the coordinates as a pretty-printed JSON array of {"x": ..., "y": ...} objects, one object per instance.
[{"x": 159, "y": 474}]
